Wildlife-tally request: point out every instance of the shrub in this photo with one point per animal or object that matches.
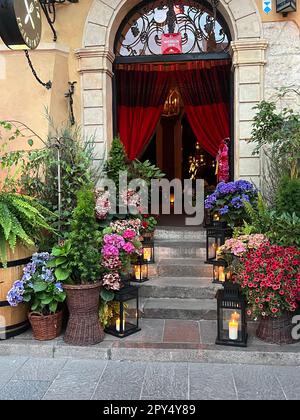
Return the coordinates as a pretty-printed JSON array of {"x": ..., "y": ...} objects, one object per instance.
[{"x": 288, "y": 196}]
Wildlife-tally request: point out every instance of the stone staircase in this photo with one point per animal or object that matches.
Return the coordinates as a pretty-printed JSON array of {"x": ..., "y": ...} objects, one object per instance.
[{"x": 181, "y": 283}]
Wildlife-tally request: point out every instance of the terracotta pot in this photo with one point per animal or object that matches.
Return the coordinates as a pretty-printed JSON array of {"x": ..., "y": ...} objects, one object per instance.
[
  {"x": 83, "y": 326},
  {"x": 45, "y": 328},
  {"x": 276, "y": 330}
]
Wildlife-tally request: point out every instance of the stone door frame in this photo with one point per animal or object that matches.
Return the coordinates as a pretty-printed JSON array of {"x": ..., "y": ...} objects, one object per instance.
[{"x": 95, "y": 65}]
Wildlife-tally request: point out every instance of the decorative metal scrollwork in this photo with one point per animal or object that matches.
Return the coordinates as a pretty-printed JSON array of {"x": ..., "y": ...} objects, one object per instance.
[
  {"x": 49, "y": 8},
  {"x": 199, "y": 23}
]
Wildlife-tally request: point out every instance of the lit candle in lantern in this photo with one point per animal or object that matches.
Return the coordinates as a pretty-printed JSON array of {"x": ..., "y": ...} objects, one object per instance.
[
  {"x": 147, "y": 254},
  {"x": 216, "y": 217},
  {"x": 172, "y": 199},
  {"x": 137, "y": 272},
  {"x": 118, "y": 325},
  {"x": 222, "y": 276},
  {"x": 234, "y": 327}
]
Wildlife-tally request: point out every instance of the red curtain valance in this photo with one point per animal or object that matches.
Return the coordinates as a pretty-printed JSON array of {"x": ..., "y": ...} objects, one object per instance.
[{"x": 143, "y": 89}]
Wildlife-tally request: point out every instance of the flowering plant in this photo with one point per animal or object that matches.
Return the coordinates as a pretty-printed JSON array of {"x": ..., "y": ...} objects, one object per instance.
[
  {"x": 38, "y": 287},
  {"x": 120, "y": 242},
  {"x": 229, "y": 198},
  {"x": 270, "y": 278},
  {"x": 149, "y": 223},
  {"x": 103, "y": 204},
  {"x": 241, "y": 245}
]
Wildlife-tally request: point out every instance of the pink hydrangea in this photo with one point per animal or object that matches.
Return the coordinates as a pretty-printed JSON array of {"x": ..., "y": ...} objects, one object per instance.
[
  {"x": 112, "y": 281},
  {"x": 110, "y": 251},
  {"x": 103, "y": 205},
  {"x": 129, "y": 248},
  {"x": 112, "y": 263},
  {"x": 114, "y": 240},
  {"x": 129, "y": 234}
]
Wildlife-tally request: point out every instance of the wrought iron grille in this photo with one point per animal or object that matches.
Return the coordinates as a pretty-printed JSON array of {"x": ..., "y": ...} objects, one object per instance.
[{"x": 200, "y": 24}]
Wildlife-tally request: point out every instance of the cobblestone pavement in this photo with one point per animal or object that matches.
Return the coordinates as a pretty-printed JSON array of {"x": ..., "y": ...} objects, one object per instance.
[{"x": 55, "y": 379}]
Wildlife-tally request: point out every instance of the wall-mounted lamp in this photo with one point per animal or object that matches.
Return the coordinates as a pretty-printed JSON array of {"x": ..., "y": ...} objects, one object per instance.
[{"x": 286, "y": 6}]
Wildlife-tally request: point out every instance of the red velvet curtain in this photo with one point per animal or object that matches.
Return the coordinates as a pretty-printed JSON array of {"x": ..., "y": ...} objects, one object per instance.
[
  {"x": 141, "y": 97},
  {"x": 206, "y": 97}
]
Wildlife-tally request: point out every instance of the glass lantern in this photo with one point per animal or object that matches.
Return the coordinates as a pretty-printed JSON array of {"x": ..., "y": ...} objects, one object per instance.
[
  {"x": 215, "y": 238},
  {"x": 232, "y": 325},
  {"x": 140, "y": 271},
  {"x": 148, "y": 252},
  {"x": 221, "y": 274},
  {"x": 286, "y": 6},
  {"x": 126, "y": 320}
]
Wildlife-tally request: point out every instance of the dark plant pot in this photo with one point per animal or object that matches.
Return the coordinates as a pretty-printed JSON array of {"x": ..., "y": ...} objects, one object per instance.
[
  {"x": 83, "y": 326},
  {"x": 148, "y": 236},
  {"x": 46, "y": 328},
  {"x": 276, "y": 330}
]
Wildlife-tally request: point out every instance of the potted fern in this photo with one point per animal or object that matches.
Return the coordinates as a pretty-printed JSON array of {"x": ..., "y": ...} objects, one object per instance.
[
  {"x": 77, "y": 265},
  {"x": 22, "y": 222}
]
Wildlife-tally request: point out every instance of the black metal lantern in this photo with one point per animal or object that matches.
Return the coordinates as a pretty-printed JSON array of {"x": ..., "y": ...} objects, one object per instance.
[
  {"x": 148, "y": 252},
  {"x": 286, "y": 6},
  {"x": 140, "y": 271},
  {"x": 126, "y": 321},
  {"x": 215, "y": 238},
  {"x": 221, "y": 274},
  {"x": 232, "y": 324}
]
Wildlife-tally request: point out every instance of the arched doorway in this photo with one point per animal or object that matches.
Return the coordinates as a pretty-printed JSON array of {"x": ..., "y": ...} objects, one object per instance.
[
  {"x": 173, "y": 86},
  {"x": 247, "y": 49}
]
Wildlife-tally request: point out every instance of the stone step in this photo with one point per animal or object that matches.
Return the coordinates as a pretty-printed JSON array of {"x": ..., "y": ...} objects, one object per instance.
[
  {"x": 180, "y": 234},
  {"x": 179, "y": 288},
  {"x": 179, "y": 249},
  {"x": 192, "y": 309},
  {"x": 183, "y": 267}
]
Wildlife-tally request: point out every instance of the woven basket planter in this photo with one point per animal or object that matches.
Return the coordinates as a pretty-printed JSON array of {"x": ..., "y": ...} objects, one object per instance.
[
  {"x": 83, "y": 326},
  {"x": 276, "y": 330},
  {"x": 45, "y": 328}
]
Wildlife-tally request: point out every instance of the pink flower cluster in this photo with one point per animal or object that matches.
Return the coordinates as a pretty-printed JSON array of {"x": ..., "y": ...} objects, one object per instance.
[
  {"x": 112, "y": 281},
  {"x": 241, "y": 245},
  {"x": 103, "y": 205},
  {"x": 132, "y": 198},
  {"x": 121, "y": 226},
  {"x": 116, "y": 252}
]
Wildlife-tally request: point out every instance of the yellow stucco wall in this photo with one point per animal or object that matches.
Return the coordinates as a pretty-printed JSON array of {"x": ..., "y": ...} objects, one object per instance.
[{"x": 22, "y": 98}]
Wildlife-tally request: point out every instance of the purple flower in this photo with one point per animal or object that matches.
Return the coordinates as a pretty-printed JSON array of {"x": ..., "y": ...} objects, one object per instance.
[
  {"x": 237, "y": 202},
  {"x": 129, "y": 248},
  {"x": 15, "y": 295},
  {"x": 110, "y": 251},
  {"x": 59, "y": 287},
  {"x": 114, "y": 240},
  {"x": 224, "y": 210}
]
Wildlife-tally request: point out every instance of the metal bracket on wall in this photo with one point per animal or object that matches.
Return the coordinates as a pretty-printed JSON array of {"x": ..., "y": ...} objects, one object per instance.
[
  {"x": 49, "y": 8},
  {"x": 70, "y": 95}
]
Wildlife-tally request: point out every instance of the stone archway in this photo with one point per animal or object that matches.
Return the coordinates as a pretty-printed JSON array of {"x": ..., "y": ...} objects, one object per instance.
[{"x": 96, "y": 59}]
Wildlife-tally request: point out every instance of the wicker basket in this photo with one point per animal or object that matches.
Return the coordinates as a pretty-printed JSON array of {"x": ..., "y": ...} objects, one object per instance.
[
  {"x": 83, "y": 326},
  {"x": 45, "y": 328},
  {"x": 276, "y": 330}
]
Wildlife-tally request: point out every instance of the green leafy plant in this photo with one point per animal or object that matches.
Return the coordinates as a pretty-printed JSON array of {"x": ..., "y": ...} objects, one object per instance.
[
  {"x": 281, "y": 229},
  {"x": 78, "y": 260},
  {"x": 36, "y": 171},
  {"x": 146, "y": 171},
  {"x": 288, "y": 196},
  {"x": 117, "y": 161},
  {"x": 22, "y": 219}
]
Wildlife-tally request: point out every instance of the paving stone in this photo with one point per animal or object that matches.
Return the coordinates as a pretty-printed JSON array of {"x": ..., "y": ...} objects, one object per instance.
[
  {"x": 211, "y": 382},
  {"x": 289, "y": 378},
  {"x": 40, "y": 369},
  {"x": 8, "y": 367},
  {"x": 121, "y": 381},
  {"x": 76, "y": 381},
  {"x": 208, "y": 332},
  {"x": 257, "y": 383},
  {"x": 24, "y": 390},
  {"x": 152, "y": 331},
  {"x": 178, "y": 331},
  {"x": 190, "y": 309},
  {"x": 166, "y": 381}
]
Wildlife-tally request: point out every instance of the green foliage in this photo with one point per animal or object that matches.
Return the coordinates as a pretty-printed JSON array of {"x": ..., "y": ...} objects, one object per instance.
[
  {"x": 281, "y": 229},
  {"x": 146, "y": 171},
  {"x": 117, "y": 161},
  {"x": 22, "y": 219},
  {"x": 36, "y": 171},
  {"x": 288, "y": 196},
  {"x": 78, "y": 260},
  {"x": 278, "y": 134}
]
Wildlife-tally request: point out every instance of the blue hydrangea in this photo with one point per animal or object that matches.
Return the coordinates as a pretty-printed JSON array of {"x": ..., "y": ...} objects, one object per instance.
[
  {"x": 15, "y": 295},
  {"x": 237, "y": 202},
  {"x": 59, "y": 287},
  {"x": 224, "y": 210}
]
